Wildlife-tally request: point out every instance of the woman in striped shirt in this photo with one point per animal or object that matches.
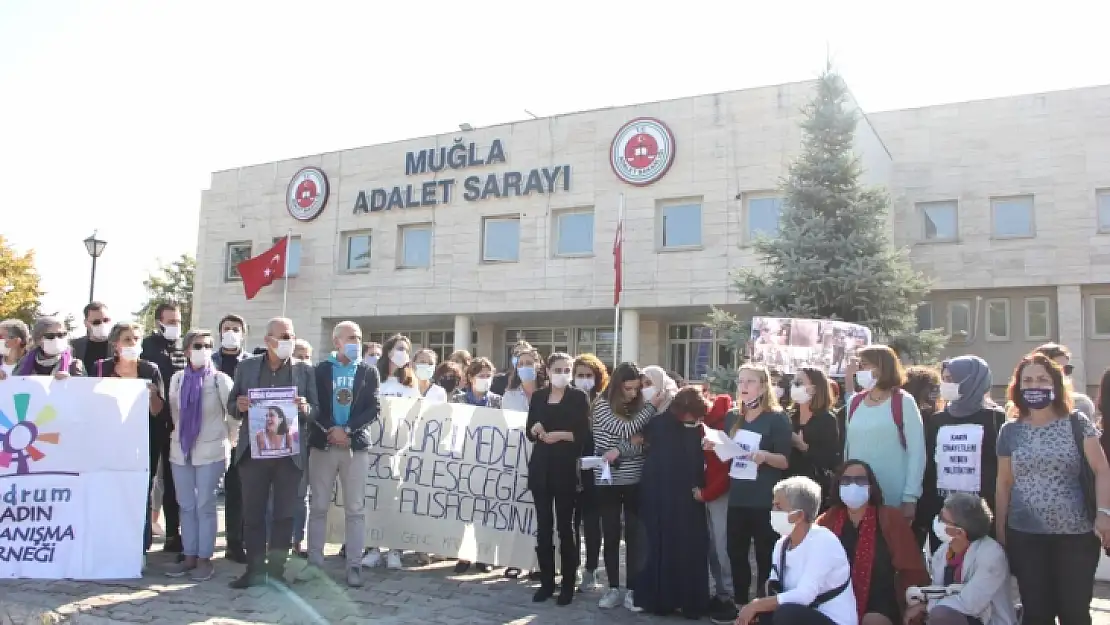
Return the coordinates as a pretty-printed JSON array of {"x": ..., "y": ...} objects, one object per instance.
[{"x": 618, "y": 415}]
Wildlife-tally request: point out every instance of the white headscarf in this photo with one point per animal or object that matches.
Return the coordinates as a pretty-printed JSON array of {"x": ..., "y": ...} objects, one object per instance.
[{"x": 662, "y": 383}]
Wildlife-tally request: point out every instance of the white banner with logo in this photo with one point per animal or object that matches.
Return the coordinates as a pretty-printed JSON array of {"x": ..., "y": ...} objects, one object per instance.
[
  {"x": 73, "y": 477},
  {"x": 450, "y": 480}
]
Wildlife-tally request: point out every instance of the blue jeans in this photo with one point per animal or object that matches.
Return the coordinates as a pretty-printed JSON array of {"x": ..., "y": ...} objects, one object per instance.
[
  {"x": 196, "y": 495},
  {"x": 300, "y": 514}
]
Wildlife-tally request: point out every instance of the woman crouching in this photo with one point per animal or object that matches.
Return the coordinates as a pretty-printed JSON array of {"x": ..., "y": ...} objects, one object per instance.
[{"x": 811, "y": 579}]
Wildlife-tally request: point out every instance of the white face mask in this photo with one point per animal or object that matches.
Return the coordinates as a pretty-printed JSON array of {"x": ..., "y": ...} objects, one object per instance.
[
  {"x": 648, "y": 393},
  {"x": 130, "y": 352},
  {"x": 779, "y": 392},
  {"x": 53, "y": 347},
  {"x": 399, "y": 357},
  {"x": 172, "y": 333},
  {"x": 865, "y": 379},
  {"x": 560, "y": 380},
  {"x": 231, "y": 340},
  {"x": 424, "y": 372},
  {"x": 284, "y": 349},
  {"x": 481, "y": 385},
  {"x": 938, "y": 529},
  {"x": 949, "y": 391},
  {"x": 854, "y": 496},
  {"x": 200, "y": 358},
  {"x": 800, "y": 394},
  {"x": 586, "y": 384},
  {"x": 100, "y": 332},
  {"x": 780, "y": 522}
]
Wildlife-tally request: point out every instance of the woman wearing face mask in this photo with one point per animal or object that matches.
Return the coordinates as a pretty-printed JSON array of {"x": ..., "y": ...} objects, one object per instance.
[
  {"x": 424, "y": 370},
  {"x": 617, "y": 416},
  {"x": 880, "y": 544},
  {"x": 14, "y": 337},
  {"x": 969, "y": 417},
  {"x": 1044, "y": 513},
  {"x": 971, "y": 558},
  {"x": 476, "y": 392},
  {"x": 781, "y": 384},
  {"x": 590, "y": 376},
  {"x": 199, "y": 449},
  {"x": 758, "y": 424},
  {"x": 52, "y": 355},
  {"x": 558, "y": 422},
  {"x": 676, "y": 545},
  {"x": 811, "y": 582},
  {"x": 526, "y": 376},
  {"x": 501, "y": 381},
  {"x": 396, "y": 370},
  {"x": 884, "y": 427},
  {"x": 816, "y": 441}
]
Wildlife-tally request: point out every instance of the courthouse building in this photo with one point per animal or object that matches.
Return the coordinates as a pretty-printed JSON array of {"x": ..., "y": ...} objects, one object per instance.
[{"x": 479, "y": 237}]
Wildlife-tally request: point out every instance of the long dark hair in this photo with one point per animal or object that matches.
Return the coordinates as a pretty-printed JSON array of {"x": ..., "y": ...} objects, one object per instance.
[
  {"x": 1103, "y": 403},
  {"x": 822, "y": 395},
  {"x": 875, "y": 492},
  {"x": 403, "y": 374},
  {"x": 1061, "y": 396},
  {"x": 614, "y": 394},
  {"x": 538, "y": 365},
  {"x": 283, "y": 426}
]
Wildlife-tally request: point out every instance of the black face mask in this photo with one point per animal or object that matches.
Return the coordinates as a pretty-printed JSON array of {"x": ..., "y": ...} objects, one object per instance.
[{"x": 448, "y": 382}]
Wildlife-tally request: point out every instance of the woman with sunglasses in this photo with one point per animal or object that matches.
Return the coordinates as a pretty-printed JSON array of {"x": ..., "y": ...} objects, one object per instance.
[
  {"x": 879, "y": 542},
  {"x": 1061, "y": 355},
  {"x": 51, "y": 355}
]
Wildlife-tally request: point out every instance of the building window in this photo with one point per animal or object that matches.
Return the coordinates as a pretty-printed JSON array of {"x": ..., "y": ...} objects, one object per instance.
[
  {"x": 416, "y": 246},
  {"x": 1100, "y": 317},
  {"x": 680, "y": 225},
  {"x": 293, "y": 268},
  {"x": 1012, "y": 217},
  {"x": 357, "y": 246},
  {"x": 763, "y": 214},
  {"x": 546, "y": 341},
  {"x": 1037, "y": 326},
  {"x": 501, "y": 239},
  {"x": 442, "y": 342},
  {"x": 601, "y": 342},
  {"x": 237, "y": 252},
  {"x": 959, "y": 320},
  {"x": 574, "y": 233},
  {"x": 998, "y": 319},
  {"x": 1102, "y": 200},
  {"x": 693, "y": 350},
  {"x": 925, "y": 316},
  {"x": 939, "y": 220}
]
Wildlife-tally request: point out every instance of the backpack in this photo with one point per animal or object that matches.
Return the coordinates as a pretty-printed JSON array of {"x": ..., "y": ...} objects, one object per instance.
[{"x": 895, "y": 409}]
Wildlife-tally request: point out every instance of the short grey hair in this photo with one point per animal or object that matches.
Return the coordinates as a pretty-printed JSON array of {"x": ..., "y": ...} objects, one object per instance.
[
  {"x": 800, "y": 493},
  {"x": 278, "y": 321},
  {"x": 303, "y": 343},
  {"x": 43, "y": 325},
  {"x": 16, "y": 329},
  {"x": 124, "y": 326},
  {"x": 193, "y": 335},
  {"x": 970, "y": 513},
  {"x": 345, "y": 325}
]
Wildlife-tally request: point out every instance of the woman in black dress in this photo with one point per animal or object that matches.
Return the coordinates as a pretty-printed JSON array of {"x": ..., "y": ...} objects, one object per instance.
[
  {"x": 675, "y": 575},
  {"x": 816, "y": 440}
]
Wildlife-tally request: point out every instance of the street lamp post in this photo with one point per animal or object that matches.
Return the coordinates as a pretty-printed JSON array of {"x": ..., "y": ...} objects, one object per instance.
[{"x": 95, "y": 248}]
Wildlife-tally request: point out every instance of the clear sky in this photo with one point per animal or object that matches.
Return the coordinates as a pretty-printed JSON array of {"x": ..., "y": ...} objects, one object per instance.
[{"x": 115, "y": 112}]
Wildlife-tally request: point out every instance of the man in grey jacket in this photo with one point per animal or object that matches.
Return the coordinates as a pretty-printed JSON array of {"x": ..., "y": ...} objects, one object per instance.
[{"x": 274, "y": 369}]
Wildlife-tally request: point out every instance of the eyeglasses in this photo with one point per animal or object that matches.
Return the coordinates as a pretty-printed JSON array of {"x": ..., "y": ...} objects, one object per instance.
[
  {"x": 1068, "y": 369},
  {"x": 54, "y": 335},
  {"x": 858, "y": 480},
  {"x": 102, "y": 321},
  {"x": 200, "y": 346}
]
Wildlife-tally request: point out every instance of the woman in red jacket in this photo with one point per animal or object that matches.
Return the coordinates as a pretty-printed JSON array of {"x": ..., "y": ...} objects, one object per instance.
[{"x": 722, "y": 609}]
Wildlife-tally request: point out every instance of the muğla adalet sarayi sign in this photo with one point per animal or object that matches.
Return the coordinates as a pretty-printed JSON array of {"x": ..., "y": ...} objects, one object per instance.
[{"x": 457, "y": 157}]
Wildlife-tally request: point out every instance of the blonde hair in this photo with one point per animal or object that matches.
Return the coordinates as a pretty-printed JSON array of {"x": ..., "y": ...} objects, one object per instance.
[{"x": 767, "y": 401}]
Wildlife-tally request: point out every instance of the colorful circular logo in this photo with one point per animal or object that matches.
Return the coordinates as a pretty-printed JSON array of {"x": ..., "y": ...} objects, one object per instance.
[
  {"x": 642, "y": 151},
  {"x": 307, "y": 194}
]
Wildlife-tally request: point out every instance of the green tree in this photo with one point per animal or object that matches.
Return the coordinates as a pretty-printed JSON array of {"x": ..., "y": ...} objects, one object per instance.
[
  {"x": 172, "y": 282},
  {"x": 20, "y": 296},
  {"x": 833, "y": 257}
]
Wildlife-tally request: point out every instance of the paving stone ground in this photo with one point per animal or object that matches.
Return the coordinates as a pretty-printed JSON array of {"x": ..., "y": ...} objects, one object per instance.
[{"x": 430, "y": 594}]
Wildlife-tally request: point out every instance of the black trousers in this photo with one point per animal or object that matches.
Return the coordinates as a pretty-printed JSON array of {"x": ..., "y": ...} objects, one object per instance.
[
  {"x": 1055, "y": 575},
  {"x": 748, "y": 526},
  {"x": 257, "y": 478},
  {"x": 612, "y": 501},
  {"x": 794, "y": 614},
  {"x": 587, "y": 522},
  {"x": 233, "y": 504},
  {"x": 159, "y": 454}
]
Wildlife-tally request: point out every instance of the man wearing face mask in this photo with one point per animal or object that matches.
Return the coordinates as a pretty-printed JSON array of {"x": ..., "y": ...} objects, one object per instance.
[
  {"x": 94, "y": 345},
  {"x": 282, "y": 475},
  {"x": 164, "y": 348},
  {"x": 339, "y": 437},
  {"x": 233, "y": 334}
]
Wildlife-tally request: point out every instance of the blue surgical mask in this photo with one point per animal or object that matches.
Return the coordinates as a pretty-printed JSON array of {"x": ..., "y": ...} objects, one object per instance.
[
  {"x": 372, "y": 361},
  {"x": 353, "y": 351},
  {"x": 527, "y": 374}
]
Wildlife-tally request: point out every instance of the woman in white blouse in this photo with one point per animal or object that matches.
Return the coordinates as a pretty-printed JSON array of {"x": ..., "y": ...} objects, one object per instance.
[
  {"x": 425, "y": 361},
  {"x": 811, "y": 579},
  {"x": 396, "y": 371}
]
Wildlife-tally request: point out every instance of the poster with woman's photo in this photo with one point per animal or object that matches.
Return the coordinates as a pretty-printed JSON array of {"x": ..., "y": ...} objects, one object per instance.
[
  {"x": 273, "y": 422},
  {"x": 787, "y": 344}
]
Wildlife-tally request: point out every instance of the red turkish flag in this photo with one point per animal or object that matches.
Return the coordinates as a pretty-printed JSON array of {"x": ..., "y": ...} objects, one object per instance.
[{"x": 263, "y": 269}]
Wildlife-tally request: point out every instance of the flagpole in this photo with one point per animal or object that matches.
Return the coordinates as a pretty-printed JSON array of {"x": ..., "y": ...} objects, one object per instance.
[
  {"x": 285, "y": 273},
  {"x": 619, "y": 275}
]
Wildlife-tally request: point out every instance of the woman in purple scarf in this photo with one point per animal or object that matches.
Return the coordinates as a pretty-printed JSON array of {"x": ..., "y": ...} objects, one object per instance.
[
  {"x": 51, "y": 354},
  {"x": 199, "y": 449}
]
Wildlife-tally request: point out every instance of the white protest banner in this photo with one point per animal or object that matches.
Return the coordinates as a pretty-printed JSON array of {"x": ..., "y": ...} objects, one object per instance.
[
  {"x": 787, "y": 344},
  {"x": 73, "y": 477},
  {"x": 959, "y": 458},
  {"x": 448, "y": 479}
]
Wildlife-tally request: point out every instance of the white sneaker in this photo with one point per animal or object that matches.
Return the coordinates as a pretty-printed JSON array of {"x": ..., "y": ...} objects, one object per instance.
[
  {"x": 611, "y": 599},
  {"x": 373, "y": 559},
  {"x": 393, "y": 560},
  {"x": 629, "y": 604}
]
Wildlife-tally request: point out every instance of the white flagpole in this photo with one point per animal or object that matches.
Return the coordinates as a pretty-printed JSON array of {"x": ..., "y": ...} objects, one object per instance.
[
  {"x": 285, "y": 274},
  {"x": 617, "y": 308}
]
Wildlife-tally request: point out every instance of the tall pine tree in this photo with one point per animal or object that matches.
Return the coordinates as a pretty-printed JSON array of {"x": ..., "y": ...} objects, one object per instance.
[{"x": 832, "y": 257}]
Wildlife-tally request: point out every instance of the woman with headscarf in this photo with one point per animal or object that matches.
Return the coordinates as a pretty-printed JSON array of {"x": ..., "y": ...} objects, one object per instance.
[
  {"x": 676, "y": 535},
  {"x": 51, "y": 355},
  {"x": 965, "y": 433}
]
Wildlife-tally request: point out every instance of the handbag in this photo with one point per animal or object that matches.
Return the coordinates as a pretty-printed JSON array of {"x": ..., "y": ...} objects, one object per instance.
[{"x": 1086, "y": 474}]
